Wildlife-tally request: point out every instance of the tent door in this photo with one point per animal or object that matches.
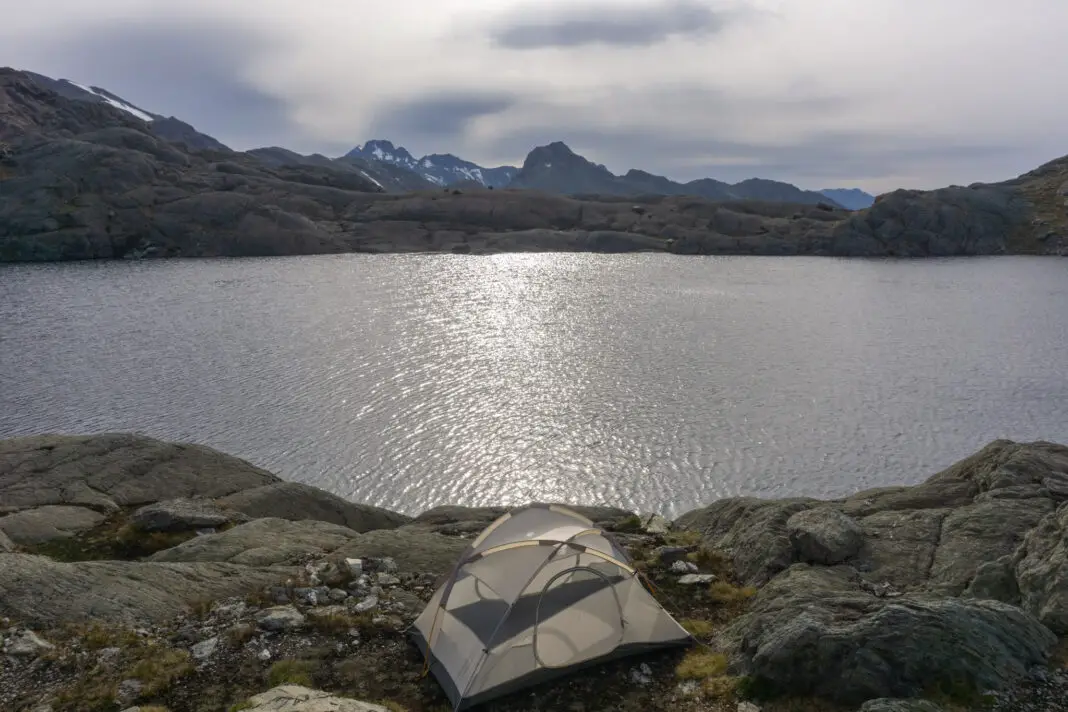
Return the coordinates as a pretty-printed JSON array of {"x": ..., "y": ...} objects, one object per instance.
[{"x": 579, "y": 617}]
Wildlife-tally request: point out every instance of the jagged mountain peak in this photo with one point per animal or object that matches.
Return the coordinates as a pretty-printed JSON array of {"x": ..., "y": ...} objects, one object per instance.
[{"x": 437, "y": 168}]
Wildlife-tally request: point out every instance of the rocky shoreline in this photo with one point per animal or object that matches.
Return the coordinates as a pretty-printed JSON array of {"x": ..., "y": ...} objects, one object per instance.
[{"x": 140, "y": 574}]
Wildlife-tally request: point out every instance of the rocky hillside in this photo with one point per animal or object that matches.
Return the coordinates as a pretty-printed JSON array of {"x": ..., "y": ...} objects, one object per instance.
[
  {"x": 88, "y": 180},
  {"x": 556, "y": 168},
  {"x": 139, "y": 572}
]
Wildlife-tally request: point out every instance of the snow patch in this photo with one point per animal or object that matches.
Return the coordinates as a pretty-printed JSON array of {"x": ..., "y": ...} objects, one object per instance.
[
  {"x": 364, "y": 174},
  {"x": 427, "y": 163},
  {"x": 117, "y": 104}
]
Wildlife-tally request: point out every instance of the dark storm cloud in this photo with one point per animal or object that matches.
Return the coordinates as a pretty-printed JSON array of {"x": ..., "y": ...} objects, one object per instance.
[
  {"x": 189, "y": 69},
  {"x": 442, "y": 115},
  {"x": 609, "y": 24}
]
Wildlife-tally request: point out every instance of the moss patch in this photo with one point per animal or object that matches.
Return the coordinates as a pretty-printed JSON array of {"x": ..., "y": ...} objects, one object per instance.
[{"x": 114, "y": 538}]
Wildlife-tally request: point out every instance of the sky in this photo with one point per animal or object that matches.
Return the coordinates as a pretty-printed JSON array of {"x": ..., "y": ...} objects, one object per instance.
[{"x": 876, "y": 94}]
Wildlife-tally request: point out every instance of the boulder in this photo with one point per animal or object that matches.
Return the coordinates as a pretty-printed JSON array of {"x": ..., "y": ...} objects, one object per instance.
[
  {"x": 293, "y": 698},
  {"x": 815, "y": 631},
  {"x": 899, "y": 545},
  {"x": 39, "y": 591},
  {"x": 106, "y": 472},
  {"x": 175, "y": 515},
  {"x": 280, "y": 618},
  {"x": 41, "y": 524},
  {"x": 888, "y": 705},
  {"x": 262, "y": 542},
  {"x": 26, "y": 644},
  {"x": 6, "y": 545},
  {"x": 296, "y": 501},
  {"x": 981, "y": 533},
  {"x": 1042, "y": 571},
  {"x": 414, "y": 551},
  {"x": 824, "y": 535},
  {"x": 752, "y": 531}
]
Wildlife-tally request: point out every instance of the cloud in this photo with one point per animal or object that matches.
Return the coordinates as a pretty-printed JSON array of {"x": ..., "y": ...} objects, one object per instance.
[
  {"x": 607, "y": 23},
  {"x": 879, "y": 94},
  {"x": 195, "y": 69},
  {"x": 440, "y": 115}
]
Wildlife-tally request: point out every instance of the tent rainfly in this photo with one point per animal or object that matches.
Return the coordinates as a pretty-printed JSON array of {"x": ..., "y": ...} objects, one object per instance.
[{"x": 540, "y": 593}]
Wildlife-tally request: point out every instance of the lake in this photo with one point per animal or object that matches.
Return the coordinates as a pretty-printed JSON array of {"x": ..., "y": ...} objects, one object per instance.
[{"x": 652, "y": 382}]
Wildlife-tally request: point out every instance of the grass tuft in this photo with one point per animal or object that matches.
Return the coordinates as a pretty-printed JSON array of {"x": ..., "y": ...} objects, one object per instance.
[
  {"x": 701, "y": 664},
  {"x": 291, "y": 672},
  {"x": 159, "y": 668},
  {"x": 726, "y": 593},
  {"x": 697, "y": 627}
]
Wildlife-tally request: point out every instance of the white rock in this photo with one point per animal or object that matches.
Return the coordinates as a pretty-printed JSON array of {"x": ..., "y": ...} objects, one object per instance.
[
  {"x": 683, "y": 567},
  {"x": 264, "y": 655},
  {"x": 27, "y": 644},
  {"x": 385, "y": 579},
  {"x": 689, "y": 688},
  {"x": 691, "y": 579},
  {"x": 366, "y": 604},
  {"x": 747, "y": 707},
  {"x": 128, "y": 691},
  {"x": 232, "y": 610},
  {"x": 205, "y": 648},
  {"x": 280, "y": 618},
  {"x": 294, "y": 698},
  {"x": 355, "y": 567},
  {"x": 107, "y": 655},
  {"x": 655, "y": 524}
]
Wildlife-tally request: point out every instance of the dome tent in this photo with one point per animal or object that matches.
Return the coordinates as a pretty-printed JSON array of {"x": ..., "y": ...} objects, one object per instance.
[{"x": 541, "y": 592}]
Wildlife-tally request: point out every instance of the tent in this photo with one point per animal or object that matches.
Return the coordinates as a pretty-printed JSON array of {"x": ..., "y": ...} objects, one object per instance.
[{"x": 541, "y": 592}]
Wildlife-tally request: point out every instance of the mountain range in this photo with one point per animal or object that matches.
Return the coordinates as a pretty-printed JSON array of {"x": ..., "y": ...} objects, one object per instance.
[
  {"x": 90, "y": 177},
  {"x": 553, "y": 168}
]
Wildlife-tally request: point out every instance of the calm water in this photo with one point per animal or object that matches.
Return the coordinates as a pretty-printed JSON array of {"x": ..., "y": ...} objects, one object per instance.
[{"x": 651, "y": 382}]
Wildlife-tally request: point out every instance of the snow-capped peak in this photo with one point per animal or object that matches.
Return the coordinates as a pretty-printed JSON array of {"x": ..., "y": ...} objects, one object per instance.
[
  {"x": 441, "y": 169},
  {"x": 128, "y": 108}
]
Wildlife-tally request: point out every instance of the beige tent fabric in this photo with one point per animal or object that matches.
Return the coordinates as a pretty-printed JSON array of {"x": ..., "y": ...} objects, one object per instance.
[{"x": 538, "y": 593}]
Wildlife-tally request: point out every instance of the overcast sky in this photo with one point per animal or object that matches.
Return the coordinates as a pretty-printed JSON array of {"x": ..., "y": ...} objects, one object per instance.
[{"x": 878, "y": 94}]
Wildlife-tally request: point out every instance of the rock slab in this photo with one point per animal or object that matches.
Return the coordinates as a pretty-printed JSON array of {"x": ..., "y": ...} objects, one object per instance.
[{"x": 294, "y": 698}]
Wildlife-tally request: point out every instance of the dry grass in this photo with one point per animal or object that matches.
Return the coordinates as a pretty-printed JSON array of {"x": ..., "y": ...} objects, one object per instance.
[
  {"x": 97, "y": 637},
  {"x": 728, "y": 594},
  {"x": 291, "y": 672},
  {"x": 341, "y": 623},
  {"x": 158, "y": 669},
  {"x": 710, "y": 560},
  {"x": 392, "y": 706},
  {"x": 697, "y": 627},
  {"x": 720, "y": 687},
  {"x": 682, "y": 538},
  {"x": 701, "y": 664}
]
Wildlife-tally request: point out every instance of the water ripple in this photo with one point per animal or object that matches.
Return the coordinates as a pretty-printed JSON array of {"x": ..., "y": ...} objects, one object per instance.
[{"x": 643, "y": 381}]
